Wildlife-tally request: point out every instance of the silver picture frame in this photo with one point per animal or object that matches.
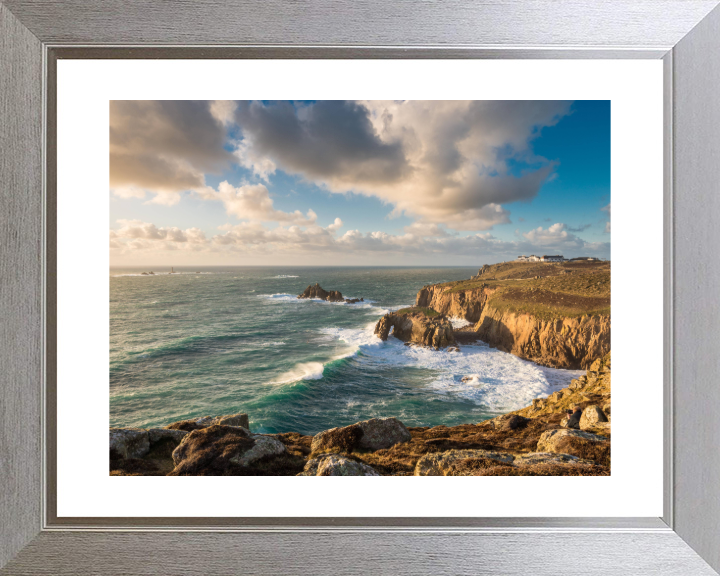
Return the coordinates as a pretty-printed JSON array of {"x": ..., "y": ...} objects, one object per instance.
[{"x": 685, "y": 34}]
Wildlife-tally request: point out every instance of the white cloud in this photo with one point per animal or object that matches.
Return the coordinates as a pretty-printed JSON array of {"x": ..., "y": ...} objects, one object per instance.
[
  {"x": 223, "y": 110},
  {"x": 607, "y": 224},
  {"x": 442, "y": 162},
  {"x": 255, "y": 238},
  {"x": 141, "y": 235},
  {"x": 253, "y": 202},
  {"x": 164, "y": 147}
]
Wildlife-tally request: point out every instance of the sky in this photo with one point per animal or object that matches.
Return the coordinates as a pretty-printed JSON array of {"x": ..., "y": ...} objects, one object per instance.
[{"x": 407, "y": 183}]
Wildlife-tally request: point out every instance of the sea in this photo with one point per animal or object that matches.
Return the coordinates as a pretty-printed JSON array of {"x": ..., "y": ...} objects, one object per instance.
[{"x": 222, "y": 340}]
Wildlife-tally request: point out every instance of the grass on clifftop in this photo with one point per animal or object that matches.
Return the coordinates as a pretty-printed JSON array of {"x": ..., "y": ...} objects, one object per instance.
[
  {"x": 548, "y": 291},
  {"x": 429, "y": 312}
]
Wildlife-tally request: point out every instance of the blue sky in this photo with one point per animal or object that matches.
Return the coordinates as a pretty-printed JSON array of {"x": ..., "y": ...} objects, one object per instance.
[{"x": 418, "y": 183}]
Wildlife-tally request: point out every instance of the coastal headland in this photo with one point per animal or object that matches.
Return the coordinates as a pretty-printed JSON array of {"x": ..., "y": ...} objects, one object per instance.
[{"x": 553, "y": 314}]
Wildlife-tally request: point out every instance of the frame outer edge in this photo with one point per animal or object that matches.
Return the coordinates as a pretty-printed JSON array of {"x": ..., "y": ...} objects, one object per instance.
[
  {"x": 20, "y": 284},
  {"x": 635, "y": 23},
  {"x": 20, "y": 268},
  {"x": 696, "y": 110}
]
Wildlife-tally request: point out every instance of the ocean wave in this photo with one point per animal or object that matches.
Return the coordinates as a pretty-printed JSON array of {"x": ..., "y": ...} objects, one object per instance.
[
  {"x": 302, "y": 371},
  {"x": 485, "y": 376},
  {"x": 284, "y": 276}
]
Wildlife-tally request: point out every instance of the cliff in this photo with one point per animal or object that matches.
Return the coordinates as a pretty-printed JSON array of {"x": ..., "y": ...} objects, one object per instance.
[
  {"x": 417, "y": 325},
  {"x": 553, "y": 314}
]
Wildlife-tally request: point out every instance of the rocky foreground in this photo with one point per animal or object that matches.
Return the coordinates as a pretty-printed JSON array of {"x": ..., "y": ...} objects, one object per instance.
[{"x": 534, "y": 441}]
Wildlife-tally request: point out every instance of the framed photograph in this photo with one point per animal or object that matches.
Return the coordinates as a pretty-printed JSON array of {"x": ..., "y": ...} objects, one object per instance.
[{"x": 370, "y": 243}]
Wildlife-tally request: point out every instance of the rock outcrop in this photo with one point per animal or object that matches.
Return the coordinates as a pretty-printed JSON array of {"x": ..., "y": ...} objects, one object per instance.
[
  {"x": 373, "y": 434},
  {"x": 224, "y": 450},
  {"x": 591, "y": 417},
  {"x": 128, "y": 443},
  {"x": 417, "y": 327},
  {"x": 577, "y": 443},
  {"x": 594, "y": 388},
  {"x": 333, "y": 296},
  {"x": 336, "y": 465},
  {"x": 344, "y": 440},
  {"x": 240, "y": 419},
  {"x": 489, "y": 463}
]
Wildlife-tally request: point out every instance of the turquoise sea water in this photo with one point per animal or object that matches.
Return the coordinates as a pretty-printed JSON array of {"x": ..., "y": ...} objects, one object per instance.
[{"x": 229, "y": 340}]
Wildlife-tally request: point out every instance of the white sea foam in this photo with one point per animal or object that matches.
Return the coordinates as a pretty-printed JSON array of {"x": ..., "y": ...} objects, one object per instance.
[
  {"x": 302, "y": 371},
  {"x": 285, "y": 276},
  {"x": 459, "y": 323},
  {"x": 293, "y": 299},
  {"x": 495, "y": 380}
]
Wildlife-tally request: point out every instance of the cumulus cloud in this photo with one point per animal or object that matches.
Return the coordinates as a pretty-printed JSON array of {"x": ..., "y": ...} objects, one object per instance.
[
  {"x": 329, "y": 140},
  {"x": 254, "y": 237},
  {"x": 558, "y": 238},
  {"x": 443, "y": 162},
  {"x": 223, "y": 110},
  {"x": 164, "y": 147},
  {"x": 253, "y": 202}
]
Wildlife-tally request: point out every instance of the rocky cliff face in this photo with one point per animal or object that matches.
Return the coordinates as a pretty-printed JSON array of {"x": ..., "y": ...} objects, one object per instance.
[
  {"x": 573, "y": 343},
  {"x": 467, "y": 304},
  {"x": 417, "y": 328}
]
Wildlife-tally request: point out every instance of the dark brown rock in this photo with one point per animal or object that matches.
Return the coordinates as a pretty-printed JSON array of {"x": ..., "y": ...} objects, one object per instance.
[{"x": 342, "y": 440}]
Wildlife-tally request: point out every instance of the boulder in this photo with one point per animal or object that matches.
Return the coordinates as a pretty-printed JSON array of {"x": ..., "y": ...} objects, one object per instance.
[
  {"x": 460, "y": 462},
  {"x": 538, "y": 403},
  {"x": 156, "y": 435},
  {"x": 265, "y": 446},
  {"x": 510, "y": 422},
  {"x": 224, "y": 450},
  {"x": 239, "y": 419},
  {"x": 128, "y": 443},
  {"x": 575, "y": 384},
  {"x": 591, "y": 416},
  {"x": 549, "y": 441},
  {"x": 344, "y": 439},
  {"x": 576, "y": 443},
  {"x": 379, "y": 433},
  {"x": 336, "y": 465},
  {"x": 606, "y": 409}
]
